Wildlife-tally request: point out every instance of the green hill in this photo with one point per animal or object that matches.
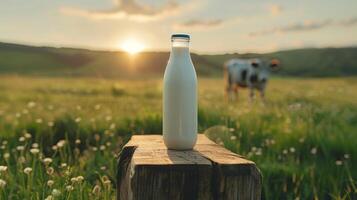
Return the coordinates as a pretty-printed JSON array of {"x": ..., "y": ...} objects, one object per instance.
[{"x": 49, "y": 61}]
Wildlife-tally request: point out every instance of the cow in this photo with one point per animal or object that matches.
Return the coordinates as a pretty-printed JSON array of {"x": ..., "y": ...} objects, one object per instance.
[{"x": 250, "y": 73}]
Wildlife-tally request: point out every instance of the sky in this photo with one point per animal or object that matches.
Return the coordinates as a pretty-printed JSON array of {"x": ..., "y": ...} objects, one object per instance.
[{"x": 215, "y": 26}]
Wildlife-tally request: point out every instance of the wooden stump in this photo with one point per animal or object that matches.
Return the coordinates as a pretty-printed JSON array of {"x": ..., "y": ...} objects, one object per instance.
[{"x": 148, "y": 170}]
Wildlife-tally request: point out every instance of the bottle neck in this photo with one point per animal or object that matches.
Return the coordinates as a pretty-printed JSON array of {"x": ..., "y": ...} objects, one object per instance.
[{"x": 180, "y": 48}]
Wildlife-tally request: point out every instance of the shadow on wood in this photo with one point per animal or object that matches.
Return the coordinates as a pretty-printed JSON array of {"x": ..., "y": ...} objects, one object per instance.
[{"x": 148, "y": 170}]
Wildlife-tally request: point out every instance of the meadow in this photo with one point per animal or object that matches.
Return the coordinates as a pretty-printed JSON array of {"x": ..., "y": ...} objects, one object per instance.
[{"x": 60, "y": 137}]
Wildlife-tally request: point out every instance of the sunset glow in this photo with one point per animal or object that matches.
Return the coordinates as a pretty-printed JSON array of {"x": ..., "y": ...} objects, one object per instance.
[{"x": 132, "y": 46}]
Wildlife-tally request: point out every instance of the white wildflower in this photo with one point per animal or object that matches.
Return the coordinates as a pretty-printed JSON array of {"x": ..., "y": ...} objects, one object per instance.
[
  {"x": 233, "y": 137},
  {"x": 56, "y": 193},
  {"x": 35, "y": 145},
  {"x": 27, "y": 170},
  {"x": 21, "y": 139},
  {"x": 292, "y": 149},
  {"x": 346, "y": 156},
  {"x": 78, "y": 141},
  {"x": 34, "y": 151},
  {"x": 27, "y": 135},
  {"x": 31, "y": 104},
  {"x": 50, "y": 123},
  {"x": 2, "y": 183},
  {"x": 49, "y": 197},
  {"x": 20, "y": 148},
  {"x": 50, "y": 183},
  {"x": 78, "y": 119},
  {"x": 47, "y": 161},
  {"x": 339, "y": 162},
  {"x": 102, "y": 147},
  {"x": 69, "y": 188},
  {"x": 313, "y": 151},
  {"x": 61, "y": 143},
  {"x": 39, "y": 120},
  {"x": 63, "y": 165},
  {"x": 3, "y": 168},
  {"x": 6, "y": 155}
]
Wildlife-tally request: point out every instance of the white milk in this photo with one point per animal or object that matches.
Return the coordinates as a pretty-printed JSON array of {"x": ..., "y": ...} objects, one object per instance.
[{"x": 180, "y": 97}]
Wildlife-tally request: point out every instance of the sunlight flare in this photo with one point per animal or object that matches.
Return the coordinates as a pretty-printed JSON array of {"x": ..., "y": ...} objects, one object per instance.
[{"x": 132, "y": 46}]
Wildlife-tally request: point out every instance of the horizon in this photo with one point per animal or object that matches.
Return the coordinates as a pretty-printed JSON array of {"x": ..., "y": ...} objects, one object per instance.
[
  {"x": 166, "y": 51},
  {"x": 146, "y": 25}
]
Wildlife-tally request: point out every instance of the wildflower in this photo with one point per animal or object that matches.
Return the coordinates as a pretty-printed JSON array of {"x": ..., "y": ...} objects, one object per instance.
[
  {"x": 102, "y": 147},
  {"x": 103, "y": 168},
  {"x": 49, "y": 197},
  {"x": 3, "y": 168},
  {"x": 80, "y": 178},
  {"x": 50, "y": 183},
  {"x": 47, "y": 161},
  {"x": 2, "y": 183},
  {"x": 285, "y": 151},
  {"x": 50, "y": 123},
  {"x": 25, "y": 111},
  {"x": 231, "y": 129},
  {"x": 6, "y": 155},
  {"x": 108, "y": 118},
  {"x": 69, "y": 188},
  {"x": 112, "y": 126},
  {"x": 28, "y": 170},
  {"x": 292, "y": 149},
  {"x": 233, "y": 137},
  {"x": 313, "y": 151},
  {"x": 50, "y": 170},
  {"x": 54, "y": 147},
  {"x": 338, "y": 162},
  {"x": 78, "y": 119},
  {"x": 95, "y": 149},
  {"x": 108, "y": 144},
  {"x": 346, "y": 156},
  {"x": 31, "y": 104},
  {"x": 4, "y": 142},
  {"x": 56, "y": 193},
  {"x": 20, "y": 148},
  {"x": 96, "y": 190},
  {"x": 2, "y": 147},
  {"x": 97, "y": 107},
  {"x": 39, "y": 120},
  {"x": 21, "y": 159},
  {"x": 34, "y": 151},
  {"x": 78, "y": 141},
  {"x": 18, "y": 115},
  {"x": 21, "y": 139},
  {"x": 63, "y": 165},
  {"x": 28, "y": 136},
  {"x": 35, "y": 145},
  {"x": 61, "y": 143}
]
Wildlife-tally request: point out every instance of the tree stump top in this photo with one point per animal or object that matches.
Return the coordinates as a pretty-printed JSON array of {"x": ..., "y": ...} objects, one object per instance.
[
  {"x": 151, "y": 150},
  {"x": 148, "y": 170}
]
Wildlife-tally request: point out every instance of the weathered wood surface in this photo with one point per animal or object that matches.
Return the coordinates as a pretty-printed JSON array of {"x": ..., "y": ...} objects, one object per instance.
[{"x": 148, "y": 170}]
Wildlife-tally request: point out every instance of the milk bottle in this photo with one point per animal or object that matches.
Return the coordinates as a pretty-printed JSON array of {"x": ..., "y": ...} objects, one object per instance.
[{"x": 180, "y": 97}]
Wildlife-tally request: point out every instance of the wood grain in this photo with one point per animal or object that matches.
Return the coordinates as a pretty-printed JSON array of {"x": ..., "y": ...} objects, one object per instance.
[{"x": 148, "y": 170}]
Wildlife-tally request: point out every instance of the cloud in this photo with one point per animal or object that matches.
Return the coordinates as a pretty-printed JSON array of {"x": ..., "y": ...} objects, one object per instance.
[
  {"x": 203, "y": 24},
  {"x": 130, "y": 9},
  {"x": 306, "y": 26},
  {"x": 275, "y": 10},
  {"x": 199, "y": 23}
]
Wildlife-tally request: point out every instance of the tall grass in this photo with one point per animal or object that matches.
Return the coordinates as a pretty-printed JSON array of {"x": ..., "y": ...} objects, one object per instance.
[{"x": 60, "y": 138}]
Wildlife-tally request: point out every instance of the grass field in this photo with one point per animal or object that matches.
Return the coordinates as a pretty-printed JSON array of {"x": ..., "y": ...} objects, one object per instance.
[{"x": 59, "y": 138}]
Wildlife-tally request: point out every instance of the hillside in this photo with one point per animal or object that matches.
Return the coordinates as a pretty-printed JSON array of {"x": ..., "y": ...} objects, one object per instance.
[{"x": 49, "y": 61}]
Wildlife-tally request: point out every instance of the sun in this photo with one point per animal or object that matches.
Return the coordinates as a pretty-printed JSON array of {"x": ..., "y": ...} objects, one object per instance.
[{"x": 132, "y": 46}]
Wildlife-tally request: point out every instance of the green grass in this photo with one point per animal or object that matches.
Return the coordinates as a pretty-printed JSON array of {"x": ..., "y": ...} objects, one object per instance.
[{"x": 303, "y": 140}]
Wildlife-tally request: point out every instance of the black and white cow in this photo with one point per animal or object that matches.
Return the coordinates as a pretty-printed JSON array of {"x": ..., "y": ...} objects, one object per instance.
[{"x": 251, "y": 73}]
